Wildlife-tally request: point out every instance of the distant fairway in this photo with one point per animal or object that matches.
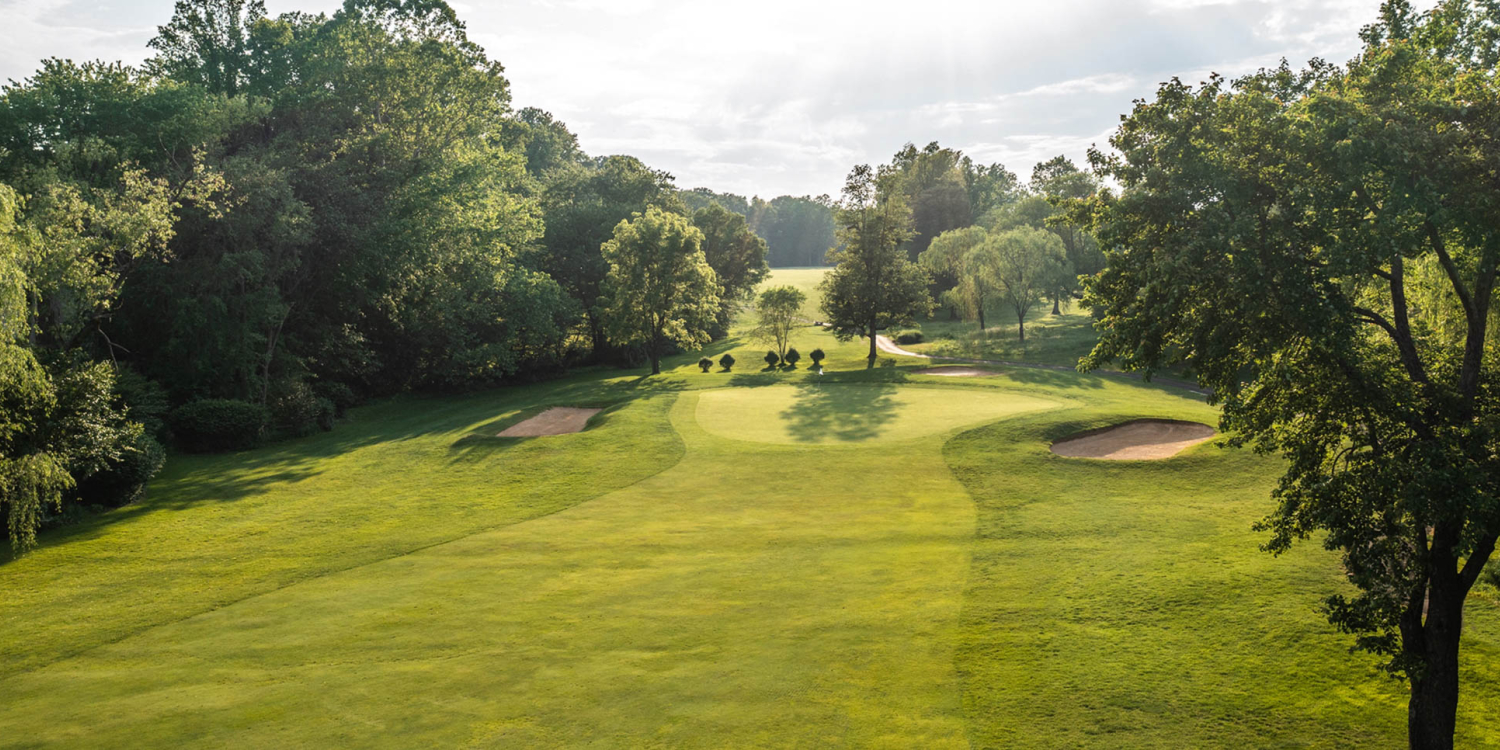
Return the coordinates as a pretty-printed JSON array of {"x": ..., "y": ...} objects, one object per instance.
[
  {"x": 745, "y": 559},
  {"x": 805, "y": 279}
]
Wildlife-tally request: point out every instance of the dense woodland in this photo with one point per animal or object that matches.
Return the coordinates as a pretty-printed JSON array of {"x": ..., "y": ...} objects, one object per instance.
[{"x": 275, "y": 218}]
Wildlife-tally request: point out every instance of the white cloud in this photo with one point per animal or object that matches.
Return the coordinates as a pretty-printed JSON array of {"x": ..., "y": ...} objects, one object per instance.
[{"x": 783, "y": 96}]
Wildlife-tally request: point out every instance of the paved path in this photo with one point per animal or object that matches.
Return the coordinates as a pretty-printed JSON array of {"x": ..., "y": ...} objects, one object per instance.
[{"x": 889, "y": 347}]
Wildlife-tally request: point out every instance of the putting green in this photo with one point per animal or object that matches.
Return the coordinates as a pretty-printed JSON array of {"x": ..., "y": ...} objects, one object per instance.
[{"x": 876, "y": 412}]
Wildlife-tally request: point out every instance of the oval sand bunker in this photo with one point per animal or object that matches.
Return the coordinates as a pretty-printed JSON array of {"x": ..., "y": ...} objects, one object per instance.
[
  {"x": 559, "y": 420},
  {"x": 1143, "y": 439}
]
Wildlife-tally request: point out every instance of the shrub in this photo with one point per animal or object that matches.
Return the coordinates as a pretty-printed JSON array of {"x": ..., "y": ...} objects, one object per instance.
[
  {"x": 792, "y": 357},
  {"x": 121, "y": 481},
  {"x": 726, "y": 362},
  {"x": 218, "y": 424},
  {"x": 910, "y": 336},
  {"x": 772, "y": 359},
  {"x": 342, "y": 396},
  {"x": 705, "y": 364},
  {"x": 297, "y": 411},
  {"x": 146, "y": 399},
  {"x": 817, "y": 356}
]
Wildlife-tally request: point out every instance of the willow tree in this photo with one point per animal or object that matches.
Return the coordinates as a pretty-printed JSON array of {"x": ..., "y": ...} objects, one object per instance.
[
  {"x": 962, "y": 255},
  {"x": 1321, "y": 246},
  {"x": 659, "y": 289}
]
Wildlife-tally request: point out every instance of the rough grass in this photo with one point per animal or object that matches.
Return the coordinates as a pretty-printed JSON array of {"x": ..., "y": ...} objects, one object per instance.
[{"x": 406, "y": 581}]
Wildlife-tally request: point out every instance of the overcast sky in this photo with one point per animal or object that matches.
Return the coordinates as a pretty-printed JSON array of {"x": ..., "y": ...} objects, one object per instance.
[{"x": 783, "y": 96}]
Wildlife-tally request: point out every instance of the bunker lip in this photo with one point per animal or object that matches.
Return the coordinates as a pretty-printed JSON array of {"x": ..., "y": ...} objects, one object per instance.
[
  {"x": 1136, "y": 440},
  {"x": 558, "y": 420}
]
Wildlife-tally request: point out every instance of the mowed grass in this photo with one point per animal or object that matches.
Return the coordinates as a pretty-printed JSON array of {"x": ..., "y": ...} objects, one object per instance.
[{"x": 920, "y": 571}]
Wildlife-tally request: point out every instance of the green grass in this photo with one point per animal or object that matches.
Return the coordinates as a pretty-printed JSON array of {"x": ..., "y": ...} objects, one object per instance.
[
  {"x": 880, "y": 559},
  {"x": 804, "y": 279}
]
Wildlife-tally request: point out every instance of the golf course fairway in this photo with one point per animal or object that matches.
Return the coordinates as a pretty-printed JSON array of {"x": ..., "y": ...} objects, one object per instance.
[{"x": 862, "y": 558}]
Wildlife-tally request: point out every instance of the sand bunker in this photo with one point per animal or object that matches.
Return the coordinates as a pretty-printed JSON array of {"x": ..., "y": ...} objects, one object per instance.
[
  {"x": 559, "y": 420},
  {"x": 956, "y": 372},
  {"x": 1134, "y": 441}
]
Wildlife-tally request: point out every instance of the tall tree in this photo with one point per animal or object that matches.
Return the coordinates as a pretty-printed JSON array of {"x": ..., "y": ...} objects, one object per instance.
[
  {"x": 873, "y": 285},
  {"x": 1025, "y": 264},
  {"x": 936, "y": 191},
  {"x": 737, "y": 256},
  {"x": 207, "y": 42},
  {"x": 660, "y": 289},
  {"x": 1321, "y": 246}
]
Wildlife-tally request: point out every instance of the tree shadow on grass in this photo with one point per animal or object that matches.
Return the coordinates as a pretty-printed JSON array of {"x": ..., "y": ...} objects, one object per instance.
[{"x": 840, "y": 413}]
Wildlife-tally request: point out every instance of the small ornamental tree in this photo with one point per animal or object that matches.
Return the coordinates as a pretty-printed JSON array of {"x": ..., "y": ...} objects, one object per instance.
[
  {"x": 772, "y": 359},
  {"x": 705, "y": 364},
  {"x": 727, "y": 362},
  {"x": 660, "y": 289},
  {"x": 817, "y": 357},
  {"x": 780, "y": 310},
  {"x": 792, "y": 357}
]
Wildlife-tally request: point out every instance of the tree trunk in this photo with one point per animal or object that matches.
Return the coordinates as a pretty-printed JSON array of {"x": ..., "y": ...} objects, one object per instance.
[
  {"x": 1431, "y": 714},
  {"x": 873, "y": 355},
  {"x": 981, "y": 317},
  {"x": 1055, "y": 311},
  {"x": 1021, "y": 327}
]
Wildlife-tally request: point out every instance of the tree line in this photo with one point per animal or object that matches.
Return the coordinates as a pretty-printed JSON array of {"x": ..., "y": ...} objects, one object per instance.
[{"x": 276, "y": 217}]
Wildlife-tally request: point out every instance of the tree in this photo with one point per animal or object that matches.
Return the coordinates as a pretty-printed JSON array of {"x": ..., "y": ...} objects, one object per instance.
[
  {"x": 779, "y": 310},
  {"x": 873, "y": 285},
  {"x": 1024, "y": 264},
  {"x": 792, "y": 357},
  {"x": 936, "y": 191},
  {"x": 207, "y": 42},
  {"x": 964, "y": 256},
  {"x": 1320, "y": 246},
  {"x": 727, "y": 362},
  {"x": 798, "y": 231},
  {"x": 737, "y": 256},
  {"x": 659, "y": 288}
]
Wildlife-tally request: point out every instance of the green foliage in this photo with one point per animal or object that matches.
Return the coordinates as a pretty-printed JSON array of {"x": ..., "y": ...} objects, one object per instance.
[
  {"x": 936, "y": 190},
  {"x": 873, "y": 285},
  {"x": 705, "y": 364},
  {"x": 1280, "y": 257},
  {"x": 816, "y": 356},
  {"x": 778, "y": 311},
  {"x": 123, "y": 479},
  {"x": 772, "y": 359},
  {"x": 660, "y": 289},
  {"x": 792, "y": 357},
  {"x": 218, "y": 424},
  {"x": 737, "y": 256},
  {"x": 964, "y": 258},
  {"x": 727, "y": 362},
  {"x": 909, "y": 336},
  {"x": 1026, "y": 265},
  {"x": 295, "y": 410},
  {"x": 340, "y": 395},
  {"x": 799, "y": 231}
]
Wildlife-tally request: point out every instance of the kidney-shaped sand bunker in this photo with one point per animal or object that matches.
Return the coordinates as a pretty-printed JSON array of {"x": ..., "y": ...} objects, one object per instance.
[
  {"x": 1142, "y": 439},
  {"x": 559, "y": 420}
]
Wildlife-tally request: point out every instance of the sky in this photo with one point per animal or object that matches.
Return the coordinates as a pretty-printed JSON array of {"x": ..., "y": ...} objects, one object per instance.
[{"x": 784, "y": 96}]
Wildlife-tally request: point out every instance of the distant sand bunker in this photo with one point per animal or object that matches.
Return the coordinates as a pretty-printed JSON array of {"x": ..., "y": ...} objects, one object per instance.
[
  {"x": 957, "y": 372},
  {"x": 559, "y": 420},
  {"x": 1134, "y": 441}
]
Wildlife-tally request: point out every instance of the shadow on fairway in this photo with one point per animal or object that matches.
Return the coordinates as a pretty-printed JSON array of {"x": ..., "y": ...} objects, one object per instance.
[{"x": 840, "y": 413}]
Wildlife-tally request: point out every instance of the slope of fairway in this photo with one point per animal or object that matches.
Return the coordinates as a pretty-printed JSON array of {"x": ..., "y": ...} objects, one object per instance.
[
  {"x": 728, "y": 601},
  {"x": 815, "y": 412},
  {"x": 1127, "y": 604}
]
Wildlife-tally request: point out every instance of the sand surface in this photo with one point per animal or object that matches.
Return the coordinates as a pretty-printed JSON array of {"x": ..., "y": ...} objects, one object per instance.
[
  {"x": 1134, "y": 441},
  {"x": 957, "y": 372},
  {"x": 559, "y": 420}
]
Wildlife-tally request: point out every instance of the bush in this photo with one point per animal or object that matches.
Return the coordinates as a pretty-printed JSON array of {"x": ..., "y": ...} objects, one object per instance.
[
  {"x": 909, "y": 336},
  {"x": 817, "y": 356},
  {"x": 296, "y": 411},
  {"x": 218, "y": 424},
  {"x": 726, "y": 362},
  {"x": 705, "y": 364},
  {"x": 342, "y": 396},
  {"x": 121, "y": 482},
  {"x": 146, "y": 399},
  {"x": 772, "y": 359},
  {"x": 792, "y": 357}
]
